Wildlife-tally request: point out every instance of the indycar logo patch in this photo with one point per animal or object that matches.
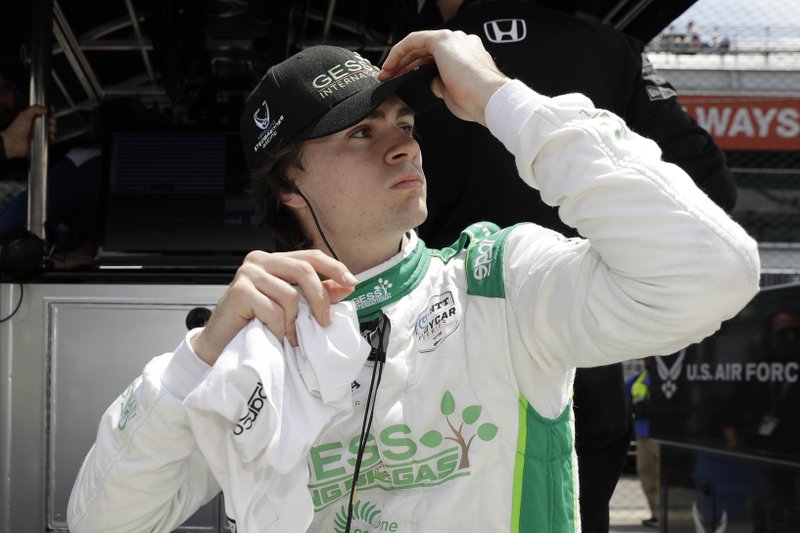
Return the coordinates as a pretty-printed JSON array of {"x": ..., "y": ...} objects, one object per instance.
[{"x": 438, "y": 321}]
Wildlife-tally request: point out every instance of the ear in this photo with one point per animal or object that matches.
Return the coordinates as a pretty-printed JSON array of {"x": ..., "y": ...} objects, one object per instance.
[{"x": 292, "y": 199}]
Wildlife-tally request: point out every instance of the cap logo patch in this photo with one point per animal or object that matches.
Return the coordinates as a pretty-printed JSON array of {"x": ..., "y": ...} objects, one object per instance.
[
  {"x": 262, "y": 122},
  {"x": 269, "y": 128},
  {"x": 343, "y": 74}
]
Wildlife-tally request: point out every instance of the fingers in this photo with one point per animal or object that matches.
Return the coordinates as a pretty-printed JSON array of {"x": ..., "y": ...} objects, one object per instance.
[
  {"x": 52, "y": 128},
  {"x": 17, "y": 135},
  {"x": 467, "y": 75},
  {"x": 305, "y": 267},
  {"x": 412, "y": 47},
  {"x": 279, "y": 284},
  {"x": 237, "y": 307},
  {"x": 336, "y": 292},
  {"x": 411, "y": 60},
  {"x": 30, "y": 113},
  {"x": 261, "y": 293},
  {"x": 35, "y": 110},
  {"x": 268, "y": 286}
]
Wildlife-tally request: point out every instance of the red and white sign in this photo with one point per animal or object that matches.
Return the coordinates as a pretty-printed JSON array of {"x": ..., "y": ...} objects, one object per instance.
[{"x": 747, "y": 122}]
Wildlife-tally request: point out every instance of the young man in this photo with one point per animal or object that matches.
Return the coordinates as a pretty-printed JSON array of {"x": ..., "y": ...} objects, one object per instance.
[{"x": 467, "y": 425}]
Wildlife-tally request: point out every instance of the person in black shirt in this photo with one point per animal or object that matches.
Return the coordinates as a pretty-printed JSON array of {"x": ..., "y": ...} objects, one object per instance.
[{"x": 472, "y": 177}]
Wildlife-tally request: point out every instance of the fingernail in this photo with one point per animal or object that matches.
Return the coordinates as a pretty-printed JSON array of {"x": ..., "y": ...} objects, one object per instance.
[{"x": 350, "y": 278}]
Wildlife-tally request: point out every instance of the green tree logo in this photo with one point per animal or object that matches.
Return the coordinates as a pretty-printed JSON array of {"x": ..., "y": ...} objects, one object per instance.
[
  {"x": 383, "y": 286},
  {"x": 469, "y": 416}
]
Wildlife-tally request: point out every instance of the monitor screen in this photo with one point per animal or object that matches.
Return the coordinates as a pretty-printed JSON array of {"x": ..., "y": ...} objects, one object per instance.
[{"x": 169, "y": 194}]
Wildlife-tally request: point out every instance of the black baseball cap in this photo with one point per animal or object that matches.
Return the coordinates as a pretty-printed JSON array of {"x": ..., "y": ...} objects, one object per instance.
[{"x": 319, "y": 91}]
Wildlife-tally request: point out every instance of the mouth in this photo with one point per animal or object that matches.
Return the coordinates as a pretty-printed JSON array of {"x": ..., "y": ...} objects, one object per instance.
[{"x": 411, "y": 180}]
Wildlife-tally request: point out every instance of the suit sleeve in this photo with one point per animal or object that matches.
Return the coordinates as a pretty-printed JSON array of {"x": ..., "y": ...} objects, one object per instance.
[{"x": 660, "y": 265}]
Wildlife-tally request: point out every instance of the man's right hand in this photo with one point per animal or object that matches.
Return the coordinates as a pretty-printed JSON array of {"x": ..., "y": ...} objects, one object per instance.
[{"x": 267, "y": 287}]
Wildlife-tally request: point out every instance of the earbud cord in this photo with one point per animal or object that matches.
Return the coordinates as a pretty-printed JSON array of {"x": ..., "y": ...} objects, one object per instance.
[
  {"x": 316, "y": 222},
  {"x": 319, "y": 228},
  {"x": 369, "y": 413},
  {"x": 375, "y": 382}
]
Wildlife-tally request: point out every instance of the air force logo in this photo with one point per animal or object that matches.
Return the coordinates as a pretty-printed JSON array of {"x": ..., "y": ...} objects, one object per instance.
[
  {"x": 503, "y": 31},
  {"x": 669, "y": 375}
]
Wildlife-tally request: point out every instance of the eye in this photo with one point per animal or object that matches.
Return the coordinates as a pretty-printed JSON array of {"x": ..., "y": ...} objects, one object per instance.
[
  {"x": 360, "y": 133},
  {"x": 407, "y": 128}
]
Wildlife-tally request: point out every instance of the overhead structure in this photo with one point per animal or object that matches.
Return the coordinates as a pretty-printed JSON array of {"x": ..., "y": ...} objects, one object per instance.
[{"x": 200, "y": 58}]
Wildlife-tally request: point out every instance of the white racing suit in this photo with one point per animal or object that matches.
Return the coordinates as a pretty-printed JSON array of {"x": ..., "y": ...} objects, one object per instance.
[{"x": 472, "y": 428}]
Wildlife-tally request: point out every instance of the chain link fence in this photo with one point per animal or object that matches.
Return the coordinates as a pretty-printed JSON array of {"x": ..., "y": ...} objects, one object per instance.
[{"x": 736, "y": 66}]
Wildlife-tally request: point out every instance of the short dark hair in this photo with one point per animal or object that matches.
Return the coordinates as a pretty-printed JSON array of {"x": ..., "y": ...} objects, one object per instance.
[{"x": 268, "y": 182}]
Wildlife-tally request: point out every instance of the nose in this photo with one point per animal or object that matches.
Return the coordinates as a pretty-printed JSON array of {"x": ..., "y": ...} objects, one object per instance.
[{"x": 402, "y": 147}]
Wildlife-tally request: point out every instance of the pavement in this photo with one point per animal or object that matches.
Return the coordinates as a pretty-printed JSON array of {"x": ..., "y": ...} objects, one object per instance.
[{"x": 629, "y": 507}]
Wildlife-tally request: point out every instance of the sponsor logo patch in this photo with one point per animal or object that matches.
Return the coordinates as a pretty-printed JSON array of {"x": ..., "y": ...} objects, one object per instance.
[
  {"x": 380, "y": 293},
  {"x": 397, "y": 458},
  {"x": 269, "y": 128},
  {"x": 482, "y": 267},
  {"x": 438, "y": 321},
  {"x": 254, "y": 405},
  {"x": 659, "y": 90},
  {"x": 503, "y": 31},
  {"x": 127, "y": 408},
  {"x": 366, "y": 517},
  {"x": 262, "y": 118},
  {"x": 660, "y": 93},
  {"x": 343, "y": 74}
]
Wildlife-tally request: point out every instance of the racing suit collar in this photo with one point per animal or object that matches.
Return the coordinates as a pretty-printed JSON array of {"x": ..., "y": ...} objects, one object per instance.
[{"x": 391, "y": 280}]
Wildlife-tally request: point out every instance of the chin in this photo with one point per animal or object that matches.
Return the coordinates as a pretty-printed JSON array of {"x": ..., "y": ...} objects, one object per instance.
[
  {"x": 410, "y": 215},
  {"x": 419, "y": 217}
]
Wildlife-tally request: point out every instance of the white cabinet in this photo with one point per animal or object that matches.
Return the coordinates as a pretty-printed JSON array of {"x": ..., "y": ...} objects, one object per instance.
[{"x": 65, "y": 355}]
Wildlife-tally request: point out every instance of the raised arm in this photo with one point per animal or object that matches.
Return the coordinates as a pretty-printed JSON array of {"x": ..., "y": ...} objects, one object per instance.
[{"x": 661, "y": 265}]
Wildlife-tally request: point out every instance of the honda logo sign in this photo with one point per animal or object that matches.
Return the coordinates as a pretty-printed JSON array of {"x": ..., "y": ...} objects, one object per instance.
[{"x": 505, "y": 30}]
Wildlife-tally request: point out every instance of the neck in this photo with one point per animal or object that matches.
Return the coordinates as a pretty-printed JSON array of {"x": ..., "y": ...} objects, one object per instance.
[{"x": 361, "y": 254}]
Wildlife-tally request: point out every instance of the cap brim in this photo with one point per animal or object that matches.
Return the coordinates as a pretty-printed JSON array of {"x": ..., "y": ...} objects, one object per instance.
[{"x": 413, "y": 87}]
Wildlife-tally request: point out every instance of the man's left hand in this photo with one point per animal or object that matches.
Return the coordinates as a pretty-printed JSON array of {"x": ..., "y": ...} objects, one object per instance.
[
  {"x": 17, "y": 136},
  {"x": 467, "y": 76}
]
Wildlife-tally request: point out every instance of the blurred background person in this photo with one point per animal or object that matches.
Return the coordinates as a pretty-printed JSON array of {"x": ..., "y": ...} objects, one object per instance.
[
  {"x": 16, "y": 129},
  {"x": 763, "y": 414},
  {"x": 639, "y": 387}
]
